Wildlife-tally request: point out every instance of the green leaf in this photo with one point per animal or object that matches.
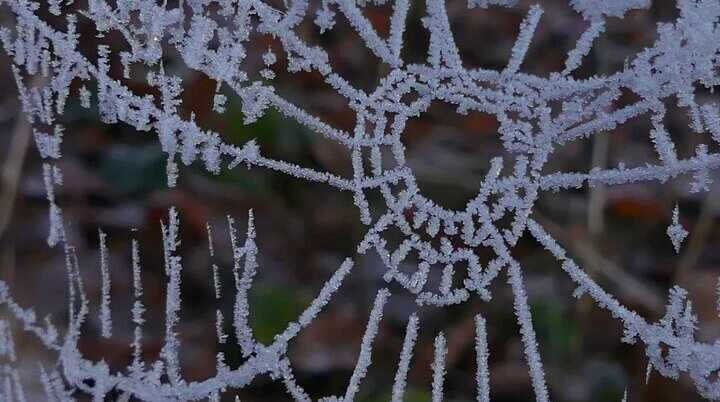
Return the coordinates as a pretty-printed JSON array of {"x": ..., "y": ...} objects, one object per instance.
[
  {"x": 135, "y": 170},
  {"x": 272, "y": 307},
  {"x": 553, "y": 326}
]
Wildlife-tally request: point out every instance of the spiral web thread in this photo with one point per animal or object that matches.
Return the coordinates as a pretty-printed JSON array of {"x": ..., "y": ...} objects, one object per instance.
[{"x": 684, "y": 55}]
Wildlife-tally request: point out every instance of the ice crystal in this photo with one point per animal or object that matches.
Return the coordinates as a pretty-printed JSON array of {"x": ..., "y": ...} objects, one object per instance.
[
  {"x": 683, "y": 56},
  {"x": 675, "y": 231}
]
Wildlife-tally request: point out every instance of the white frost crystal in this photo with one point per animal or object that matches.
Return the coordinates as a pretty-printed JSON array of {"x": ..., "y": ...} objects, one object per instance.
[{"x": 676, "y": 232}]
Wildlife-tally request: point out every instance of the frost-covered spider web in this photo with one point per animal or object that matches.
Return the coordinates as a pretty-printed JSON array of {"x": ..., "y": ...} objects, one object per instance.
[{"x": 536, "y": 116}]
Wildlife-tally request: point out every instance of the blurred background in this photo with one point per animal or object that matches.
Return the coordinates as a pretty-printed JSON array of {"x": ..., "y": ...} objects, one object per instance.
[{"x": 115, "y": 180}]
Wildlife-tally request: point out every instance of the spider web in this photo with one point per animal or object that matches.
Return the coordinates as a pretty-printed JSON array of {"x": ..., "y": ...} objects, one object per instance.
[{"x": 212, "y": 38}]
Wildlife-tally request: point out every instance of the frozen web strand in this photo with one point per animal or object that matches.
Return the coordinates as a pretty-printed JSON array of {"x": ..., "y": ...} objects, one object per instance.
[
  {"x": 387, "y": 50},
  {"x": 215, "y": 268},
  {"x": 105, "y": 318},
  {"x": 365, "y": 357},
  {"x": 398, "y": 389},
  {"x": 138, "y": 309},
  {"x": 243, "y": 282},
  {"x": 583, "y": 46},
  {"x": 297, "y": 392},
  {"x": 522, "y": 311},
  {"x": 438, "y": 367},
  {"x": 483, "y": 354},
  {"x": 442, "y": 48},
  {"x": 717, "y": 295},
  {"x": 173, "y": 269},
  {"x": 522, "y": 43},
  {"x": 57, "y": 229},
  {"x": 54, "y": 387},
  {"x": 7, "y": 345},
  {"x": 219, "y": 318},
  {"x": 662, "y": 142}
]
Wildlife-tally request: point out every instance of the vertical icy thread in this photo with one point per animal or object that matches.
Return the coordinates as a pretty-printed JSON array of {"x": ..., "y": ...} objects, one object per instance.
[
  {"x": 397, "y": 28},
  {"x": 17, "y": 386},
  {"x": 7, "y": 346},
  {"x": 438, "y": 368},
  {"x": 105, "y": 318},
  {"x": 242, "y": 283},
  {"x": 53, "y": 387},
  {"x": 215, "y": 268},
  {"x": 398, "y": 389},
  {"x": 717, "y": 294},
  {"x": 664, "y": 145},
  {"x": 219, "y": 318},
  {"x": 365, "y": 357},
  {"x": 173, "y": 268},
  {"x": 76, "y": 288},
  {"x": 138, "y": 309},
  {"x": 481, "y": 349},
  {"x": 57, "y": 229},
  {"x": 522, "y": 311}
]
